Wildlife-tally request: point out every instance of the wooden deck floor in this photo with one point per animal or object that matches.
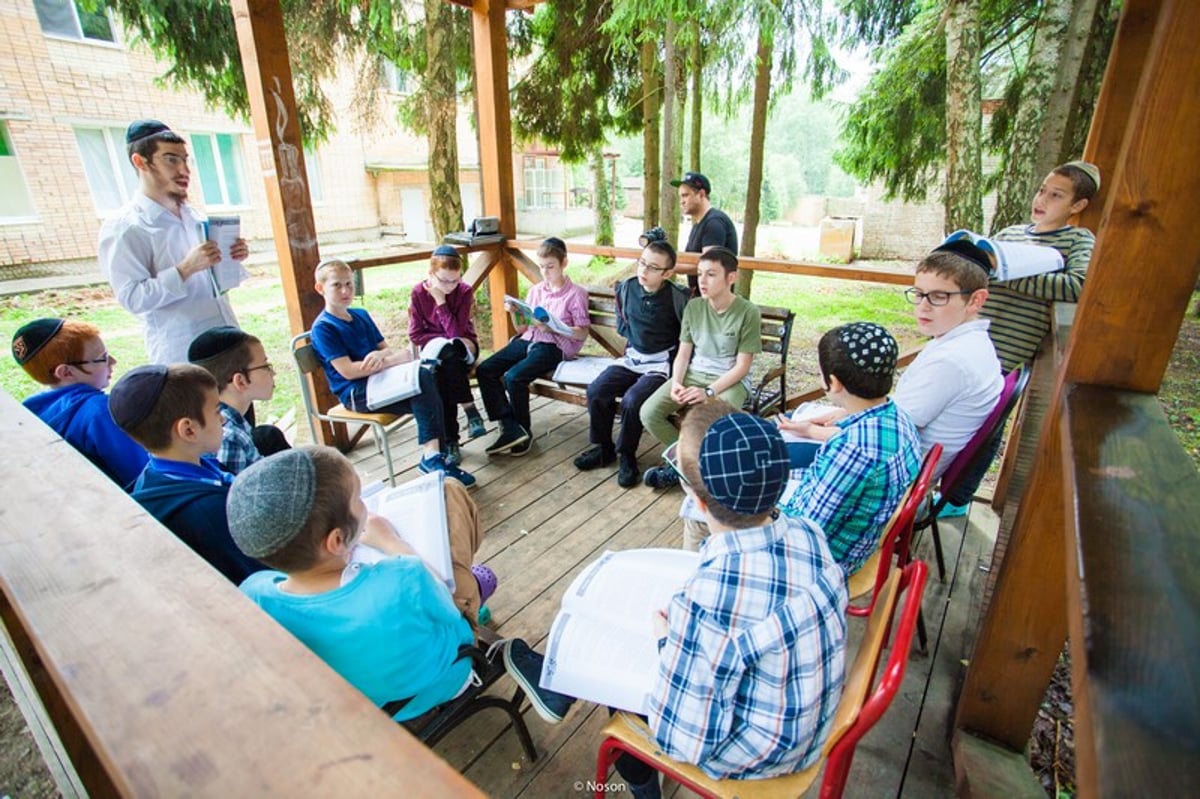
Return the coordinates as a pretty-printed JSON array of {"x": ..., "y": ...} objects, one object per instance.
[{"x": 544, "y": 521}]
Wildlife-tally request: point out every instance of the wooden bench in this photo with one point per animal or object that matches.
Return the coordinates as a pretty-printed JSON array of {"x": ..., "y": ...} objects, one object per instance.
[
  {"x": 157, "y": 675},
  {"x": 767, "y": 396}
]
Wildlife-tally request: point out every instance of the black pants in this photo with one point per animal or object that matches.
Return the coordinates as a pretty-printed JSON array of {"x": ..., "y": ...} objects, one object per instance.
[
  {"x": 602, "y": 394},
  {"x": 454, "y": 384}
]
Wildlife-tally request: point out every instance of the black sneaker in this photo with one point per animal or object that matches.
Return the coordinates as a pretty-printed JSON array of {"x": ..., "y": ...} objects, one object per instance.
[
  {"x": 660, "y": 477},
  {"x": 525, "y": 667},
  {"x": 594, "y": 458},
  {"x": 520, "y": 449},
  {"x": 628, "y": 473},
  {"x": 509, "y": 437}
]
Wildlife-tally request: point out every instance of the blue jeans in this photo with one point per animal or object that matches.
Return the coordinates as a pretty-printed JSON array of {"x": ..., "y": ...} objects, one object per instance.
[
  {"x": 426, "y": 407},
  {"x": 511, "y": 369},
  {"x": 602, "y": 393}
]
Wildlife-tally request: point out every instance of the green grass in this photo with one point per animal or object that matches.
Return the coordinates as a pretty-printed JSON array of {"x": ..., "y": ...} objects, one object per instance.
[{"x": 819, "y": 305}]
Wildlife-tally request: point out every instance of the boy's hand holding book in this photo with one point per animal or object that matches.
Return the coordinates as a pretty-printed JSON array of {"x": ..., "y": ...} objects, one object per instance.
[{"x": 380, "y": 534}]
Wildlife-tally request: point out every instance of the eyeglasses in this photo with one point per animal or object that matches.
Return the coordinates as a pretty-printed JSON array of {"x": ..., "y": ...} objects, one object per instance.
[
  {"x": 936, "y": 298},
  {"x": 266, "y": 366},
  {"x": 105, "y": 358},
  {"x": 174, "y": 161},
  {"x": 453, "y": 281},
  {"x": 649, "y": 267}
]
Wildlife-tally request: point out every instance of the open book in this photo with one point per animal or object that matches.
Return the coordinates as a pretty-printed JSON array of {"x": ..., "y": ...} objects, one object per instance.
[
  {"x": 581, "y": 371},
  {"x": 225, "y": 230},
  {"x": 393, "y": 384},
  {"x": 528, "y": 315},
  {"x": 1013, "y": 259},
  {"x": 602, "y": 646},
  {"x": 434, "y": 347},
  {"x": 805, "y": 411},
  {"x": 417, "y": 509}
]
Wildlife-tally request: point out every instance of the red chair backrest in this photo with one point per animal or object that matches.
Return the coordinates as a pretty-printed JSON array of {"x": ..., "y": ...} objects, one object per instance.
[
  {"x": 1014, "y": 385},
  {"x": 897, "y": 538},
  {"x": 841, "y": 754}
]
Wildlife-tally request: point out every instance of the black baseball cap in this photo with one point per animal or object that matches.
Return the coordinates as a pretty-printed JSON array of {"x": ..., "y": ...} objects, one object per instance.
[{"x": 695, "y": 180}]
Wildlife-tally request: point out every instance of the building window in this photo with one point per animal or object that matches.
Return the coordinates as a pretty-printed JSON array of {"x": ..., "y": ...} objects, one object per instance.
[
  {"x": 15, "y": 202},
  {"x": 111, "y": 178},
  {"x": 543, "y": 183},
  {"x": 312, "y": 170},
  {"x": 219, "y": 163},
  {"x": 70, "y": 20}
]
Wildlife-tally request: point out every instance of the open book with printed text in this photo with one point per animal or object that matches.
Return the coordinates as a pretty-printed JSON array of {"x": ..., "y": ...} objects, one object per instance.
[
  {"x": 393, "y": 384},
  {"x": 526, "y": 313},
  {"x": 417, "y": 509},
  {"x": 1013, "y": 259},
  {"x": 602, "y": 646},
  {"x": 225, "y": 230}
]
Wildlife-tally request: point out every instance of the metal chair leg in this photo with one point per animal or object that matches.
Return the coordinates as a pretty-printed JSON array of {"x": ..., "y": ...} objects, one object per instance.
[
  {"x": 922, "y": 636},
  {"x": 937, "y": 551}
]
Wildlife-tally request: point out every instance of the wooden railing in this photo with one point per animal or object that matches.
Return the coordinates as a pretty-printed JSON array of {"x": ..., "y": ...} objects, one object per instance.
[{"x": 158, "y": 676}]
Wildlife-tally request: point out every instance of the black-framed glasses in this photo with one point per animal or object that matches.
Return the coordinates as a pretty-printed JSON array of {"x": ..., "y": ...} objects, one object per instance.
[
  {"x": 268, "y": 366},
  {"x": 649, "y": 267},
  {"x": 105, "y": 358},
  {"x": 935, "y": 298}
]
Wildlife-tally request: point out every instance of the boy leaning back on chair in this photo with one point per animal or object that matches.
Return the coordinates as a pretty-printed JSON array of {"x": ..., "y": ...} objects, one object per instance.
[
  {"x": 351, "y": 349},
  {"x": 751, "y": 655}
]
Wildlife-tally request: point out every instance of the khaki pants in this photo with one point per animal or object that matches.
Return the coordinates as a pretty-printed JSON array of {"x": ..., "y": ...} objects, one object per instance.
[
  {"x": 659, "y": 405},
  {"x": 694, "y": 533},
  {"x": 462, "y": 519}
]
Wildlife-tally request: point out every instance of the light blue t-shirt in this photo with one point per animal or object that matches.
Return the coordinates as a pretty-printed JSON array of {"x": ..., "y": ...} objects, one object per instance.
[{"x": 393, "y": 631}]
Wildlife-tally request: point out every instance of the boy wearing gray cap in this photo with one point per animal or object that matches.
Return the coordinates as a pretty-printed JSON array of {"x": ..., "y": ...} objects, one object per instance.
[
  {"x": 390, "y": 628},
  {"x": 859, "y": 475},
  {"x": 172, "y": 412},
  {"x": 751, "y": 655}
]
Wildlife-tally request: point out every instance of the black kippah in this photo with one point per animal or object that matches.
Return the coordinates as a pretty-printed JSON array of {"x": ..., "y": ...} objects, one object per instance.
[
  {"x": 214, "y": 342},
  {"x": 32, "y": 336},
  {"x": 972, "y": 252},
  {"x": 134, "y": 396},
  {"x": 143, "y": 129}
]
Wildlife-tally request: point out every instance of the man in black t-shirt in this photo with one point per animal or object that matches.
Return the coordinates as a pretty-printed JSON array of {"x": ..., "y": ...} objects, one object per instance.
[{"x": 710, "y": 227}]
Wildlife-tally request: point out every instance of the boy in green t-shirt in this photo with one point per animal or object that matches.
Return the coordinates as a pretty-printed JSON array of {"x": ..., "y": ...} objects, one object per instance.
[{"x": 720, "y": 335}]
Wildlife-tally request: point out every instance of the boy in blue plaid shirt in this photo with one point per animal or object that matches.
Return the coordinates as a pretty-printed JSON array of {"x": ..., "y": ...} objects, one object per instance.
[
  {"x": 752, "y": 649},
  {"x": 870, "y": 455}
]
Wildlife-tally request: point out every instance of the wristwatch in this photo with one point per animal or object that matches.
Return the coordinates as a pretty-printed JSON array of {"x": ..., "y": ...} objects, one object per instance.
[{"x": 709, "y": 391}]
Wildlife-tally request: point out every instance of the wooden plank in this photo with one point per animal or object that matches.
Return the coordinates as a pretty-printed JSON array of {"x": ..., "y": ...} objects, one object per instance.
[
  {"x": 160, "y": 676},
  {"x": 1127, "y": 324},
  {"x": 263, "y": 47},
  {"x": 987, "y": 771},
  {"x": 1135, "y": 645}
]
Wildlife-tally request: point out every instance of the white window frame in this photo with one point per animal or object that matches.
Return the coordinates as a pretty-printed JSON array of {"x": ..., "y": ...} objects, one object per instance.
[
  {"x": 220, "y": 165},
  {"x": 312, "y": 166},
  {"x": 113, "y": 27},
  {"x": 118, "y": 160},
  {"x": 32, "y": 216}
]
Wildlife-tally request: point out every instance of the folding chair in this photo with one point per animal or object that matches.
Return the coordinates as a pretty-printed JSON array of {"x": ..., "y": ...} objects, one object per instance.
[
  {"x": 308, "y": 363},
  {"x": 964, "y": 474},
  {"x": 434, "y": 725},
  {"x": 856, "y": 712}
]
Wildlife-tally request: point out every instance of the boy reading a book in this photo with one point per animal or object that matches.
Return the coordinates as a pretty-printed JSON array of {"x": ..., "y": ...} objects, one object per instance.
[
  {"x": 70, "y": 358},
  {"x": 1020, "y": 309},
  {"x": 238, "y": 362},
  {"x": 391, "y": 628},
  {"x": 718, "y": 339},
  {"x": 172, "y": 412},
  {"x": 440, "y": 311},
  {"x": 649, "y": 313},
  {"x": 860, "y": 474},
  {"x": 351, "y": 349},
  {"x": 751, "y": 654},
  {"x": 504, "y": 378}
]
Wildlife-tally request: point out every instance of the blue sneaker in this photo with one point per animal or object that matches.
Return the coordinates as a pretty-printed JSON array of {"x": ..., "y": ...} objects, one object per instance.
[
  {"x": 475, "y": 427},
  {"x": 453, "y": 454},
  {"x": 525, "y": 667},
  {"x": 437, "y": 463},
  {"x": 952, "y": 511}
]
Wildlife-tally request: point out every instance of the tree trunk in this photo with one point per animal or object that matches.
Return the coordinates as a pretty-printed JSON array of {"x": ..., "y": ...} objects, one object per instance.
[
  {"x": 758, "y": 135},
  {"x": 1023, "y": 168},
  {"x": 445, "y": 206},
  {"x": 651, "y": 165},
  {"x": 1091, "y": 74},
  {"x": 964, "y": 174},
  {"x": 674, "y": 101},
  {"x": 697, "y": 70},
  {"x": 1077, "y": 34},
  {"x": 601, "y": 199}
]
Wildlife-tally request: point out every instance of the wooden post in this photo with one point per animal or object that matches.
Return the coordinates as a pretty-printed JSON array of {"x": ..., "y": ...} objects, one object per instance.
[
  {"x": 1141, "y": 276},
  {"x": 495, "y": 149},
  {"x": 259, "y": 25}
]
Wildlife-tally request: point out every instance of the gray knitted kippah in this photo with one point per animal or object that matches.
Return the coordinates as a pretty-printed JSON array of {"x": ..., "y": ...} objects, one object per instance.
[{"x": 270, "y": 502}]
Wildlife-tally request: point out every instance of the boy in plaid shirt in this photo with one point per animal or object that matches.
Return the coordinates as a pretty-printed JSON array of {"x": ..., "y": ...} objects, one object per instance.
[
  {"x": 752, "y": 649},
  {"x": 859, "y": 475}
]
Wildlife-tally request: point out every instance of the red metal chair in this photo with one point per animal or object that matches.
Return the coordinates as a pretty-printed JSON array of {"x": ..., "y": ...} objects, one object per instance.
[
  {"x": 860, "y": 707},
  {"x": 966, "y": 471}
]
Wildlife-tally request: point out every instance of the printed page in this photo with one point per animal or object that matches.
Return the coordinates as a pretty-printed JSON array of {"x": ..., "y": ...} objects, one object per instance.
[
  {"x": 225, "y": 230},
  {"x": 582, "y": 371},
  {"x": 393, "y": 384},
  {"x": 523, "y": 309},
  {"x": 417, "y": 509},
  {"x": 602, "y": 646},
  {"x": 1016, "y": 259},
  {"x": 803, "y": 412}
]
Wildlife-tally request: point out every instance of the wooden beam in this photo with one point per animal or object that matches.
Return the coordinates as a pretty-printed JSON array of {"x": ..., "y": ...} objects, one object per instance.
[
  {"x": 495, "y": 148},
  {"x": 263, "y": 47}
]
